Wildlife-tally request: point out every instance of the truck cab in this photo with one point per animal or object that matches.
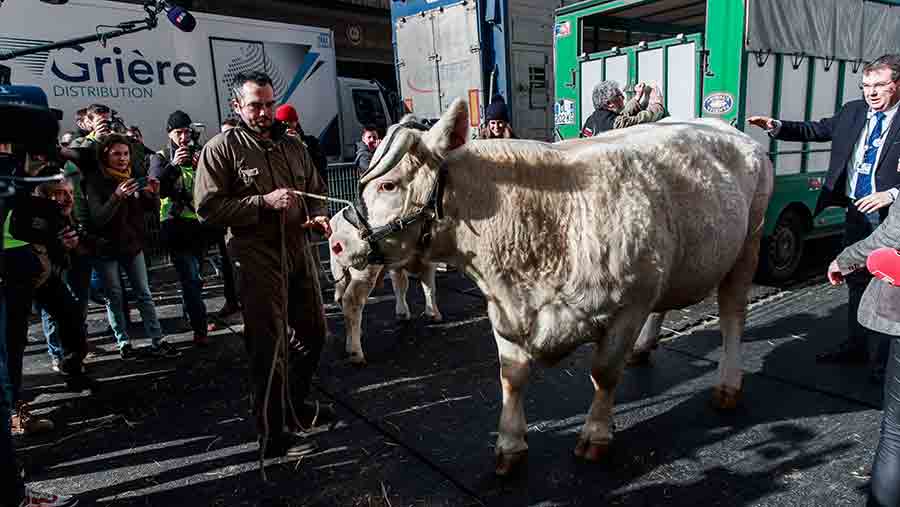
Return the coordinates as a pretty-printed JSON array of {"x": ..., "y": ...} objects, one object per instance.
[{"x": 731, "y": 59}]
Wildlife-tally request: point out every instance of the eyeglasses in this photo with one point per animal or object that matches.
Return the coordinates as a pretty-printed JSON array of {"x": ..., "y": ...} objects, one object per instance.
[
  {"x": 878, "y": 87},
  {"x": 258, "y": 106}
]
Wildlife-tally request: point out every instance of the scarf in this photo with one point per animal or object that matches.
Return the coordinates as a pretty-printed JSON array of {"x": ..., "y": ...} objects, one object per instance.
[{"x": 119, "y": 176}]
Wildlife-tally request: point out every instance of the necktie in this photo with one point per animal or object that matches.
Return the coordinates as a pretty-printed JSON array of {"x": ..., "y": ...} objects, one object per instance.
[{"x": 864, "y": 181}]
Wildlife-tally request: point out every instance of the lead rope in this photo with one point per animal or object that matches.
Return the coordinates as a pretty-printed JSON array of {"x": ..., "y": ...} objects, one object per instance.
[{"x": 281, "y": 352}]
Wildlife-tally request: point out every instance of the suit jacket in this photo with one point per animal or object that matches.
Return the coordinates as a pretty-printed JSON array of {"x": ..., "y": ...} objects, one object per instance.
[
  {"x": 879, "y": 308},
  {"x": 844, "y": 130}
]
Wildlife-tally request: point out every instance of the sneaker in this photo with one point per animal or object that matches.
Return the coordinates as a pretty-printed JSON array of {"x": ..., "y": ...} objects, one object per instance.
[
  {"x": 127, "y": 352},
  {"x": 164, "y": 349},
  {"x": 54, "y": 364},
  {"x": 34, "y": 498},
  {"x": 201, "y": 340},
  {"x": 23, "y": 423}
]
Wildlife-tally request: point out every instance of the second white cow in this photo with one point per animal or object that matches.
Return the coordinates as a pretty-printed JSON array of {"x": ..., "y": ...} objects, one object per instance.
[{"x": 353, "y": 287}]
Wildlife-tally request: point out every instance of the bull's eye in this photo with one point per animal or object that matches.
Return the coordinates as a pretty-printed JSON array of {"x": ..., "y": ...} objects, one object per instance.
[{"x": 387, "y": 186}]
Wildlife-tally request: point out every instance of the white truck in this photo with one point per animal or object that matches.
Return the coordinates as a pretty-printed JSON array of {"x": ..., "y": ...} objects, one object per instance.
[{"x": 145, "y": 76}]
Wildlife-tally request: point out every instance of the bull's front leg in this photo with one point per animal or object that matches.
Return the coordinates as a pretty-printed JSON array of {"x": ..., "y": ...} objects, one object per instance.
[
  {"x": 607, "y": 365},
  {"x": 428, "y": 287},
  {"x": 400, "y": 281},
  {"x": 353, "y": 301},
  {"x": 511, "y": 449}
]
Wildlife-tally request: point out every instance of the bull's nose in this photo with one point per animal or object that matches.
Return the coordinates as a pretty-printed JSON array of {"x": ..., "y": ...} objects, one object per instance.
[{"x": 337, "y": 248}]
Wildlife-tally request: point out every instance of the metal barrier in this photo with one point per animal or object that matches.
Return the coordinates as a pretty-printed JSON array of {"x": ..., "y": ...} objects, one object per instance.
[
  {"x": 343, "y": 183},
  {"x": 342, "y": 180}
]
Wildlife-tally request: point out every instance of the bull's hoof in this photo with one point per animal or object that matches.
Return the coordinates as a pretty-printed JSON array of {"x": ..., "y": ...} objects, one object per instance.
[
  {"x": 507, "y": 463},
  {"x": 639, "y": 359},
  {"x": 726, "y": 398},
  {"x": 358, "y": 360},
  {"x": 591, "y": 451}
]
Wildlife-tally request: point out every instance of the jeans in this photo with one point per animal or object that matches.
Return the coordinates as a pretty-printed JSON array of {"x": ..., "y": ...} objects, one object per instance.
[
  {"x": 78, "y": 279},
  {"x": 886, "y": 468},
  {"x": 136, "y": 269},
  {"x": 10, "y": 480},
  {"x": 188, "y": 266}
]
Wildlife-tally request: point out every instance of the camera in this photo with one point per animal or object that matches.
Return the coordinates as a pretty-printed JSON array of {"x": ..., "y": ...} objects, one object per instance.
[{"x": 115, "y": 125}]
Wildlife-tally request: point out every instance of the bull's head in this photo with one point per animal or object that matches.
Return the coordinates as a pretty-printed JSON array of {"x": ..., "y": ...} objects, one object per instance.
[{"x": 401, "y": 178}]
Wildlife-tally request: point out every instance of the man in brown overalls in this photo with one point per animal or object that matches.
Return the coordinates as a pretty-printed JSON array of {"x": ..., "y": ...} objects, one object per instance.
[{"x": 246, "y": 180}]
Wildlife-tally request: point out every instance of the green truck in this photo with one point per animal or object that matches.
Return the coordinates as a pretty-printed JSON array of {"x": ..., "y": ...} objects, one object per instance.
[{"x": 732, "y": 59}]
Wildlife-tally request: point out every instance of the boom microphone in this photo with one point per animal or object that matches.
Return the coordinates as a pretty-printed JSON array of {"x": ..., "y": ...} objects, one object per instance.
[{"x": 181, "y": 18}]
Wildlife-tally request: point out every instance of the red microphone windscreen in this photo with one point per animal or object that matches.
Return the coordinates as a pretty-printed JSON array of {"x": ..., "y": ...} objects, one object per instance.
[{"x": 884, "y": 264}]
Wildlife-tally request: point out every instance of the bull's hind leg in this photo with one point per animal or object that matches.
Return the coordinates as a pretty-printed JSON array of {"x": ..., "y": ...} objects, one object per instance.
[
  {"x": 647, "y": 340},
  {"x": 353, "y": 301},
  {"x": 733, "y": 294},
  {"x": 514, "y": 369},
  {"x": 400, "y": 281},
  {"x": 428, "y": 287},
  {"x": 606, "y": 370}
]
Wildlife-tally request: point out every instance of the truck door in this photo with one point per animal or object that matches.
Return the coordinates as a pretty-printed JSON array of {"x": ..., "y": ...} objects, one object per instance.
[
  {"x": 417, "y": 67},
  {"x": 457, "y": 54},
  {"x": 531, "y": 95}
]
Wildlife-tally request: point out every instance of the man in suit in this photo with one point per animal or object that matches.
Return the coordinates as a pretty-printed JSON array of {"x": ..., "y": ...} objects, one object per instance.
[{"x": 863, "y": 176}]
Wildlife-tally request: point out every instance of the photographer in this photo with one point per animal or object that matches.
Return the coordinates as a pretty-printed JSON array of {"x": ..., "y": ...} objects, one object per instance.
[
  {"x": 74, "y": 266},
  {"x": 185, "y": 237},
  {"x": 117, "y": 202}
]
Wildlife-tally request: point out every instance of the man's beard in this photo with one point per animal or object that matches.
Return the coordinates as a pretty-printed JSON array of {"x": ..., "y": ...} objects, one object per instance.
[{"x": 257, "y": 127}]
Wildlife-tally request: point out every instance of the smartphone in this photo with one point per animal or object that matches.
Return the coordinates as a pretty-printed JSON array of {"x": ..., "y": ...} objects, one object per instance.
[{"x": 141, "y": 182}]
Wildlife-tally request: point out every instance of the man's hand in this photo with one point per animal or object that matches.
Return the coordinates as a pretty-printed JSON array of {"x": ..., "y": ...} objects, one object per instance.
[
  {"x": 69, "y": 238},
  {"x": 282, "y": 198},
  {"x": 182, "y": 156},
  {"x": 763, "y": 122},
  {"x": 874, "y": 202},
  {"x": 639, "y": 89},
  {"x": 321, "y": 223},
  {"x": 126, "y": 188},
  {"x": 101, "y": 129},
  {"x": 835, "y": 275},
  {"x": 656, "y": 95}
]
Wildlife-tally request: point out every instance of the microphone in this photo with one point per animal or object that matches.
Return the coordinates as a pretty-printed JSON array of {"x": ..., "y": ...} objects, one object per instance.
[{"x": 181, "y": 18}]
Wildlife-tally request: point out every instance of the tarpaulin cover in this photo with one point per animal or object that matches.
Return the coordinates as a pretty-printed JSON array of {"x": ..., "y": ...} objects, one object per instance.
[{"x": 843, "y": 29}]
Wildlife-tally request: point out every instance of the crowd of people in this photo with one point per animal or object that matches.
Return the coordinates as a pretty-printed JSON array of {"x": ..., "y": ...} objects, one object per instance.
[{"x": 105, "y": 182}]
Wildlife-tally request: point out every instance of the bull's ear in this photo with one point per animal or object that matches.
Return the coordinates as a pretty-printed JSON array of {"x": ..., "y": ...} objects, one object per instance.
[{"x": 452, "y": 130}]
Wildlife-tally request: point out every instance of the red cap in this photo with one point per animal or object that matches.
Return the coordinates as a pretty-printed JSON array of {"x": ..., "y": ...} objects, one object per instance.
[
  {"x": 884, "y": 264},
  {"x": 286, "y": 112}
]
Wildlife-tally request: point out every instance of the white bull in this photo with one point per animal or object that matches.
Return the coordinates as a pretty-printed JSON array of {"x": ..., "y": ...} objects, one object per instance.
[
  {"x": 353, "y": 286},
  {"x": 580, "y": 241}
]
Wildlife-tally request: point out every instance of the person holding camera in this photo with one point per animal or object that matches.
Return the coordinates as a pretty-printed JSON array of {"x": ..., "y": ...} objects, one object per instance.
[
  {"x": 30, "y": 278},
  {"x": 612, "y": 112},
  {"x": 117, "y": 202},
  {"x": 184, "y": 236}
]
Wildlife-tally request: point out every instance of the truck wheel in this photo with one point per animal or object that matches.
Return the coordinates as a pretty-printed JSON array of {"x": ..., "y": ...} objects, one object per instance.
[{"x": 780, "y": 253}]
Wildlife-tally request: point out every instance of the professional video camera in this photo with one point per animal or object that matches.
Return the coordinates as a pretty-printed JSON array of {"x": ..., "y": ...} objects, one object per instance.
[{"x": 28, "y": 130}]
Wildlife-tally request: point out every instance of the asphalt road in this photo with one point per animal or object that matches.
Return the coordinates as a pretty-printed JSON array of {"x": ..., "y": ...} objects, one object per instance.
[{"x": 419, "y": 423}]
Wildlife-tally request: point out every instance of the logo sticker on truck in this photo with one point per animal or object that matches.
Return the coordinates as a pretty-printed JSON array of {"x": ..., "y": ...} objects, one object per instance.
[
  {"x": 563, "y": 29},
  {"x": 718, "y": 103},
  {"x": 564, "y": 112}
]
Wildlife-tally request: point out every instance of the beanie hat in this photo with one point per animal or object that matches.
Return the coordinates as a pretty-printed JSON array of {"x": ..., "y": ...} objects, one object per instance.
[
  {"x": 178, "y": 120},
  {"x": 497, "y": 110},
  {"x": 286, "y": 113}
]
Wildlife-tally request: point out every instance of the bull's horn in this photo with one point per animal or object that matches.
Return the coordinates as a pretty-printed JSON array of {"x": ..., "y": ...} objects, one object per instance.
[{"x": 389, "y": 153}]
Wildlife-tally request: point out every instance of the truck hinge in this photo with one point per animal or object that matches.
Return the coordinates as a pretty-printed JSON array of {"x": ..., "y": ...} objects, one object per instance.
[
  {"x": 435, "y": 57},
  {"x": 474, "y": 48},
  {"x": 401, "y": 63}
]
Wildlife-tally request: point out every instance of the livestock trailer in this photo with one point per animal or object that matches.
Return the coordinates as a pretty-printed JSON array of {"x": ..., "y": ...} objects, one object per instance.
[
  {"x": 474, "y": 49},
  {"x": 732, "y": 59}
]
